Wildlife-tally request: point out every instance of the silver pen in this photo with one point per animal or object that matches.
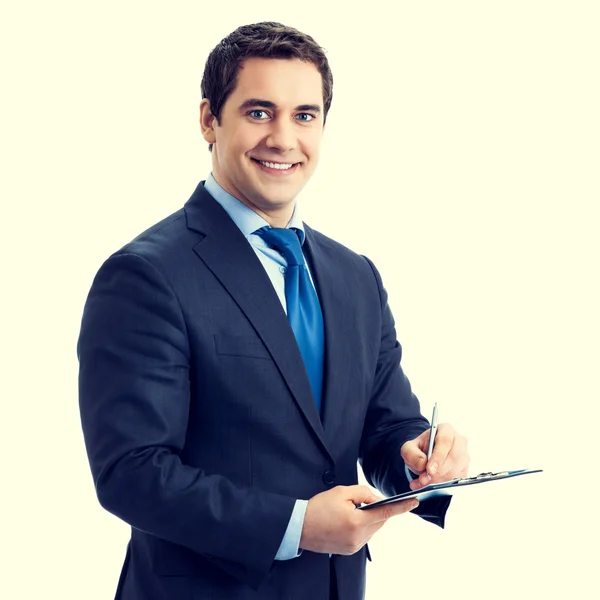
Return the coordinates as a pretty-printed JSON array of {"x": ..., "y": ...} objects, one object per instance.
[{"x": 434, "y": 426}]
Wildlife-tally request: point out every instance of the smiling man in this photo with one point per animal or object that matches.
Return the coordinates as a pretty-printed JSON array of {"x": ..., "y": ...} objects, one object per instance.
[{"x": 236, "y": 365}]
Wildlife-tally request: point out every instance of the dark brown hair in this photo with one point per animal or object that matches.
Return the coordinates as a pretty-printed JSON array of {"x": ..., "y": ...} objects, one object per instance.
[{"x": 260, "y": 40}]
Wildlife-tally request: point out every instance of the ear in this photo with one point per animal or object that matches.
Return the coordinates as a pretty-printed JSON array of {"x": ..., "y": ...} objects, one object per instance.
[{"x": 207, "y": 121}]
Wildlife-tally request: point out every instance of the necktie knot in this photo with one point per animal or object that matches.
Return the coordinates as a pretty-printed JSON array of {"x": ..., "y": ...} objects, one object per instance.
[{"x": 285, "y": 241}]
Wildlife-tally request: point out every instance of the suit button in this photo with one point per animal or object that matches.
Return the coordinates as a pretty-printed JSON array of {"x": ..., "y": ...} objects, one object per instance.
[{"x": 328, "y": 477}]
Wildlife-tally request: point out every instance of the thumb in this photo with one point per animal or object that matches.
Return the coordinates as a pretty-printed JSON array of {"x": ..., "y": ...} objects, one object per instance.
[
  {"x": 361, "y": 494},
  {"x": 414, "y": 458}
]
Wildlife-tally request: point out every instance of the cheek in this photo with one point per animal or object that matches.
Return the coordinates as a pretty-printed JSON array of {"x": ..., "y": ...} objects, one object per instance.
[
  {"x": 312, "y": 146},
  {"x": 313, "y": 158},
  {"x": 245, "y": 139}
]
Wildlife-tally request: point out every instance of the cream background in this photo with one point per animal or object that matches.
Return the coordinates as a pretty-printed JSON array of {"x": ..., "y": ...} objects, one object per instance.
[{"x": 461, "y": 155}]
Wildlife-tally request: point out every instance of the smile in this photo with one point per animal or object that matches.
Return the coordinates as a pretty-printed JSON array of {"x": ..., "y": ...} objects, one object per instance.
[{"x": 276, "y": 168}]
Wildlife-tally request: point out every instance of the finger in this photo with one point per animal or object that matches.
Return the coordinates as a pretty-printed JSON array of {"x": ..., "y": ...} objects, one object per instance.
[
  {"x": 386, "y": 511},
  {"x": 414, "y": 458},
  {"x": 371, "y": 530},
  {"x": 425, "y": 479},
  {"x": 444, "y": 441},
  {"x": 360, "y": 494},
  {"x": 416, "y": 484},
  {"x": 446, "y": 471},
  {"x": 457, "y": 460},
  {"x": 420, "y": 481},
  {"x": 449, "y": 476}
]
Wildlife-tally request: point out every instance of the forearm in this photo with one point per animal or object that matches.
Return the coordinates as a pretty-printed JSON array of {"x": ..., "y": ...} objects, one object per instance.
[{"x": 151, "y": 490}]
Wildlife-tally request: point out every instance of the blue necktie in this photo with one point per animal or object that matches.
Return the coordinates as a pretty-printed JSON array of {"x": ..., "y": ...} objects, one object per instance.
[{"x": 303, "y": 308}]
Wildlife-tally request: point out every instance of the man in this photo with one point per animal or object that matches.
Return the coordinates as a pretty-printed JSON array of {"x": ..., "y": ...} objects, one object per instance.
[{"x": 235, "y": 364}]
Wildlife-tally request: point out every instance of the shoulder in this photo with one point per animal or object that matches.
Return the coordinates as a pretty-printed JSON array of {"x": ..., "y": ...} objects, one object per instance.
[
  {"x": 164, "y": 245},
  {"x": 346, "y": 257},
  {"x": 158, "y": 254},
  {"x": 160, "y": 240}
]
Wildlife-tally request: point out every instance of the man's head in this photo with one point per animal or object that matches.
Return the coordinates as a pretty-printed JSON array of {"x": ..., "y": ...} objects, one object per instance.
[{"x": 266, "y": 91}]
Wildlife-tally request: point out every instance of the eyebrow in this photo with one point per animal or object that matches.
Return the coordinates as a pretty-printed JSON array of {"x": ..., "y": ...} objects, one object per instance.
[{"x": 253, "y": 102}]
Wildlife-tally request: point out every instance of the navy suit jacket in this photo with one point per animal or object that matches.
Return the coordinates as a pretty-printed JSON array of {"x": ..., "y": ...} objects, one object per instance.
[{"x": 198, "y": 417}]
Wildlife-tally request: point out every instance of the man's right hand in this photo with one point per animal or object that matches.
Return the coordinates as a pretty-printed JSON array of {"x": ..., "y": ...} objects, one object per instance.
[{"x": 333, "y": 524}]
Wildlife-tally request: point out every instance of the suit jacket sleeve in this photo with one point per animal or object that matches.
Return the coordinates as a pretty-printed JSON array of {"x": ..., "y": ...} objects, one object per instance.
[
  {"x": 393, "y": 417},
  {"x": 134, "y": 391}
]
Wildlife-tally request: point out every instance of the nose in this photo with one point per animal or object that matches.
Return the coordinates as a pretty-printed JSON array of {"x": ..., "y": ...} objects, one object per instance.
[{"x": 281, "y": 135}]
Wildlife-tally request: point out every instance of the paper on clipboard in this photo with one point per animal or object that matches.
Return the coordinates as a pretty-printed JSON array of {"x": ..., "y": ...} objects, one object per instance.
[{"x": 449, "y": 487}]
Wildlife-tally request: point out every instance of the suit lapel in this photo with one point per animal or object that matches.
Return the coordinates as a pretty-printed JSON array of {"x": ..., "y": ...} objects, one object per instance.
[
  {"x": 335, "y": 297},
  {"x": 227, "y": 253}
]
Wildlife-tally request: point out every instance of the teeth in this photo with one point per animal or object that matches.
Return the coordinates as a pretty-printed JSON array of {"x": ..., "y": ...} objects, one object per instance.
[{"x": 281, "y": 167}]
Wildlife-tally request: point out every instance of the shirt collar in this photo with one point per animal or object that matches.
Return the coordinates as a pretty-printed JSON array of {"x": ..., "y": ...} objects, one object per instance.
[{"x": 245, "y": 218}]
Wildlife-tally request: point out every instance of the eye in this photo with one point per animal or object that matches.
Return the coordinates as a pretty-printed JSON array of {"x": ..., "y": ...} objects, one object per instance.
[
  {"x": 257, "y": 110},
  {"x": 312, "y": 117}
]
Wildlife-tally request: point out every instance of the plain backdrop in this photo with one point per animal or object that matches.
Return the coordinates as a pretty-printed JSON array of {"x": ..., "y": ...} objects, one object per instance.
[{"x": 461, "y": 155}]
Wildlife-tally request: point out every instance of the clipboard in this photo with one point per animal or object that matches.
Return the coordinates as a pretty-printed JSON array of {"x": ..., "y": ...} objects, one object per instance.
[{"x": 447, "y": 488}]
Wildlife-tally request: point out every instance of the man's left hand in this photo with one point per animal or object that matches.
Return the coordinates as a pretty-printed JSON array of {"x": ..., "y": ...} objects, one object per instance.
[{"x": 449, "y": 459}]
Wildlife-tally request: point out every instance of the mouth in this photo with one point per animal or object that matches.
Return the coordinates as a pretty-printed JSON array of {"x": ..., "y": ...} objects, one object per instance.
[{"x": 273, "y": 168}]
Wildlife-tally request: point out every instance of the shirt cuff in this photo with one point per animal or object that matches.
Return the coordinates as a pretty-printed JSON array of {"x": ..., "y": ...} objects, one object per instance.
[{"x": 289, "y": 547}]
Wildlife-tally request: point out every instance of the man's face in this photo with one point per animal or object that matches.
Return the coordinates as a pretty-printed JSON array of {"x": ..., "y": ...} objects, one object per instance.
[{"x": 274, "y": 115}]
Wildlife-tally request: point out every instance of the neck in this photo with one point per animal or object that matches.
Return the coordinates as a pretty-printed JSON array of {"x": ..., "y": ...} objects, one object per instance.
[{"x": 275, "y": 216}]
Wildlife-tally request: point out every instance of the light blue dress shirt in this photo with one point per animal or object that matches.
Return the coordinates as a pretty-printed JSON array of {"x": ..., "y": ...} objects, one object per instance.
[{"x": 275, "y": 265}]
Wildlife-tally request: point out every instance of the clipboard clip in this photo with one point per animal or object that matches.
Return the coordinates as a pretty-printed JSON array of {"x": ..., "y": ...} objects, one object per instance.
[{"x": 481, "y": 476}]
